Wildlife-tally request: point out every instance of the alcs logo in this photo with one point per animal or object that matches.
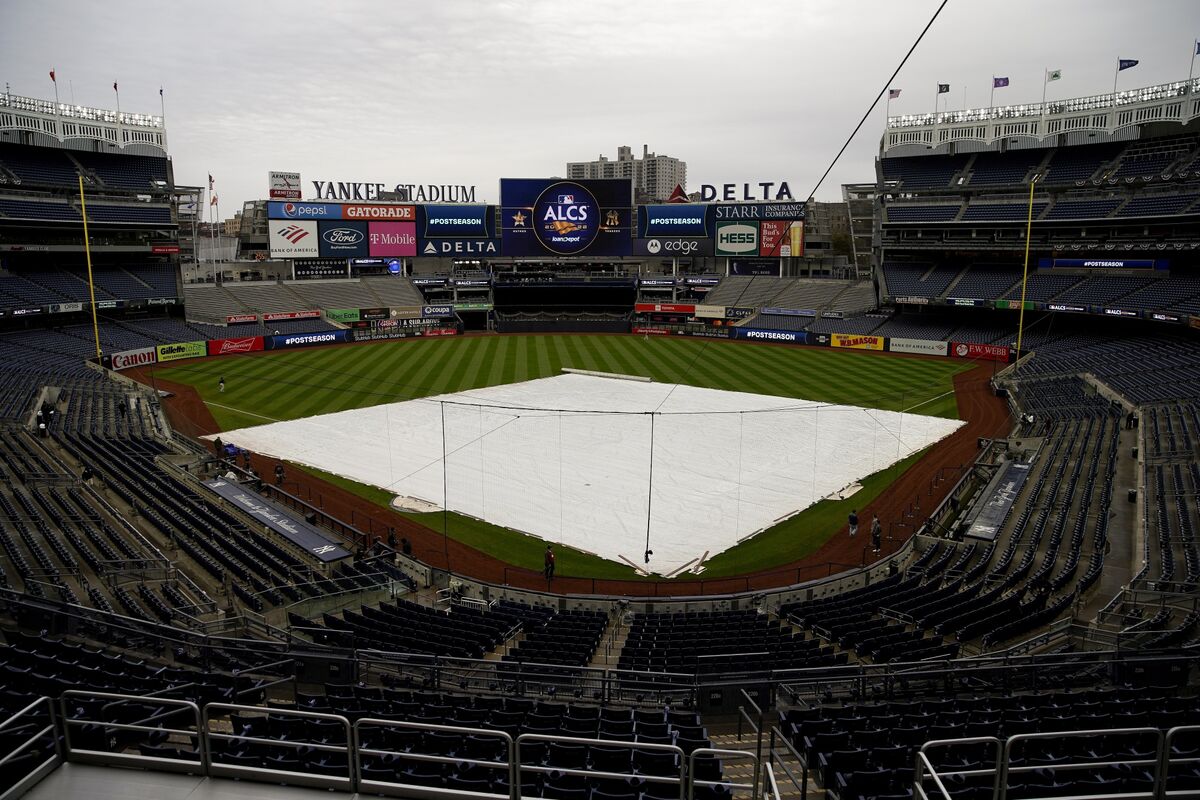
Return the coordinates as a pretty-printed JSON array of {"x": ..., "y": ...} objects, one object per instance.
[{"x": 566, "y": 218}]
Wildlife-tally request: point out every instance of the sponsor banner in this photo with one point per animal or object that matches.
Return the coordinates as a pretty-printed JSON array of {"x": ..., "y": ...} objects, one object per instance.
[
  {"x": 278, "y": 315},
  {"x": 755, "y": 266},
  {"x": 763, "y": 335},
  {"x": 736, "y": 238},
  {"x": 915, "y": 301},
  {"x": 392, "y": 238},
  {"x": 782, "y": 238},
  {"x": 790, "y": 312},
  {"x": 1162, "y": 316},
  {"x": 300, "y": 533},
  {"x": 224, "y": 347},
  {"x": 342, "y": 239},
  {"x": 709, "y": 312},
  {"x": 664, "y": 308},
  {"x": 181, "y": 350},
  {"x": 477, "y": 282},
  {"x": 646, "y": 330},
  {"x": 982, "y": 352},
  {"x": 1104, "y": 263},
  {"x": 312, "y": 270},
  {"x": 672, "y": 247},
  {"x": 656, "y": 282},
  {"x": 405, "y": 312},
  {"x": 1015, "y": 304},
  {"x": 437, "y": 311},
  {"x": 107, "y": 305},
  {"x": 290, "y": 239},
  {"x": 472, "y": 306},
  {"x": 65, "y": 308},
  {"x": 382, "y": 334},
  {"x": 342, "y": 314},
  {"x": 821, "y": 339},
  {"x": 459, "y": 247},
  {"x": 1121, "y": 312},
  {"x": 428, "y": 281},
  {"x": 367, "y": 262},
  {"x": 304, "y": 211},
  {"x": 963, "y": 301},
  {"x": 457, "y": 222},
  {"x": 855, "y": 341},
  {"x": 831, "y": 315},
  {"x": 701, "y": 280},
  {"x": 281, "y": 342},
  {"x": 162, "y": 301},
  {"x": 235, "y": 319},
  {"x": 1068, "y": 307},
  {"x": 140, "y": 357},
  {"x": 926, "y": 347},
  {"x": 384, "y": 212},
  {"x": 759, "y": 211},
  {"x": 566, "y": 218},
  {"x": 283, "y": 185},
  {"x": 373, "y": 313},
  {"x": 164, "y": 249},
  {"x": 996, "y": 510},
  {"x": 733, "y": 312},
  {"x": 439, "y": 332},
  {"x": 674, "y": 220}
]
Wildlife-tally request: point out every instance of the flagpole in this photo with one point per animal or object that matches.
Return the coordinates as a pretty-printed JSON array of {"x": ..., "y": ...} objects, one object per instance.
[
  {"x": 992, "y": 97},
  {"x": 1025, "y": 273},
  {"x": 1116, "y": 72},
  {"x": 87, "y": 249},
  {"x": 1192, "y": 68},
  {"x": 54, "y": 80}
]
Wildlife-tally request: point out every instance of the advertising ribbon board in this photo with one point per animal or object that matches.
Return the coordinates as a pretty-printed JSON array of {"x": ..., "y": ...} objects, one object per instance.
[
  {"x": 237, "y": 319},
  {"x": 927, "y": 347},
  {"x": 982, "y": 352},
  {"x": 278, "y": 315},
  {"x": 283, "y": 342},
  {"x": 225, "y": 347},
  {"x": 664, "y": 308},
  {"x": 709, "y": 312},
  {"x": 342, "y": 314},
  {"x": 141, "y": 357},
  {"x": 854, "y": 341},
  {"x": 181, "y": 350},
  {"x": 762, "y": 335}
]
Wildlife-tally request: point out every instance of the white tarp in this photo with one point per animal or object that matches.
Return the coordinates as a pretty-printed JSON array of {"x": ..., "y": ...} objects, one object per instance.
[{"x": 568, "y": 458}]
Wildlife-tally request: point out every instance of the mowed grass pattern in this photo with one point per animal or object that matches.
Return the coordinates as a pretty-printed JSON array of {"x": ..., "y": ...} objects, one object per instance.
[
  {"x": 301, "y": 383},
  {"x": 293, "y": 384}
]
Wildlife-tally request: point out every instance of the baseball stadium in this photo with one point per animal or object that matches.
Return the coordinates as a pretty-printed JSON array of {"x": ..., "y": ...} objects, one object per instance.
[{"x": 580, "y": 497}]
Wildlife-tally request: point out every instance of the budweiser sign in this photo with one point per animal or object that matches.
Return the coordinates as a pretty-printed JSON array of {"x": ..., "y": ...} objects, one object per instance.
[{"x": 224, "y": 347}]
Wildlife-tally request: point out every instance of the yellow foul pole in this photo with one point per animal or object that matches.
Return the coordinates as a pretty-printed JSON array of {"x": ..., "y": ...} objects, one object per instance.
[
  {"x": 1025, "y": 275},
  {"x": 87, "y": 248}
]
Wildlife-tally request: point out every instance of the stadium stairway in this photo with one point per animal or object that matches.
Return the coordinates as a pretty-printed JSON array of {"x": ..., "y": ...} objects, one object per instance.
[{"x": 954, "y": 282}]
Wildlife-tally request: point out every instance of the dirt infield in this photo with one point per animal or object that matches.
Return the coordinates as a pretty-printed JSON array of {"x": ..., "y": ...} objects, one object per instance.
[{"x": 902, "y": 507}]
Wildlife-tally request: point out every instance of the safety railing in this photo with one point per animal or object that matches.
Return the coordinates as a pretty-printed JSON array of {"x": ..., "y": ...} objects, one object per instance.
[
  {"x": 103, "y": 740},
  {"x": 674, "y": 775},
  {"x": 1147, "y": 771},
  {"x": 29, "y": 762},
  {"x": 331, "y": 770},
  {"x": 774, "y": 757},
  {"x": 376, "y": 766},
  {"x": 757, "y": 724}
]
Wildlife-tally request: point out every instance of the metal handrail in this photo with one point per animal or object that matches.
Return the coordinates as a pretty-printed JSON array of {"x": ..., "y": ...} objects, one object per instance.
[
  {"x": 73, "y": 753},
  {"x": 717, "y": 752},
  {"x": 773, "y": 790},
  {"x": 677, "y": 751},
  {"x": 359, "y": 751}
]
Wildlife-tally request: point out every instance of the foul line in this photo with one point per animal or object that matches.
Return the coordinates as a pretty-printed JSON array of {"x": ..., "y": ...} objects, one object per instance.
[
  {"x": 240, "y": 411},
  {"x": 927, "y": 402}
]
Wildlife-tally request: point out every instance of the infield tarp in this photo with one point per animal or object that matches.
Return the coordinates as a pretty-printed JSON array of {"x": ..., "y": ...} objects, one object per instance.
[{"x": 726, "y": 464}]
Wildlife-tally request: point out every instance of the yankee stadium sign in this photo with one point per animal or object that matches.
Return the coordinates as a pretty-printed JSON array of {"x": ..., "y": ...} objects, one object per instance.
[{"x": 409, "y": 192}]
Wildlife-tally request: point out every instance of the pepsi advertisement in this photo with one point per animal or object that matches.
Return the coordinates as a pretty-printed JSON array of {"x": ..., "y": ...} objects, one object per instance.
[
  {"x": 675, "y": 220},
  {"x": 342, "y": 239},
  {"x": 457, "y": 222},
  {"x": 541, "y": 216}
]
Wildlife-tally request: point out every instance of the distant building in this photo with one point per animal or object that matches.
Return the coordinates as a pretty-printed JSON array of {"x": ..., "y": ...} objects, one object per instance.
[
  {"x": 654, "y": 177},
  {"x": 233, "y": 225}
]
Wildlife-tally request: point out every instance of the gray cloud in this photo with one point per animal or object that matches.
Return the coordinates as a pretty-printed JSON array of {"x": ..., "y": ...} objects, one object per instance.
[{"x": 467, "y": 92}]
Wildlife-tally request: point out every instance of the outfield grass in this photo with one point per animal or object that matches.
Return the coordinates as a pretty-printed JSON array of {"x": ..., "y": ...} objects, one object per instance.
[{"x": 292, "y": 384}]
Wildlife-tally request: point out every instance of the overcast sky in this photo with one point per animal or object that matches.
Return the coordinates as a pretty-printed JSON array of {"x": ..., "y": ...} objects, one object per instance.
[{"x": 468, "y": 92}]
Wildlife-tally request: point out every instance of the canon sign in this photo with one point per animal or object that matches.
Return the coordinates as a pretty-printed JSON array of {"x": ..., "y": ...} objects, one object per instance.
[{"x": 134, "y": 358}]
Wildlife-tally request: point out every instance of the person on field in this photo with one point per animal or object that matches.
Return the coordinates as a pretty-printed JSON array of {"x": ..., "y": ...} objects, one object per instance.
[
  {"x": 279, "y": 474},
  {"x": 876, "y": 533},
  {"x": 853, "y": 521},
  {"x": 221, "y": 384},
  {"x": 405, "y": 546},
  {"x": 549, "y": 568}
]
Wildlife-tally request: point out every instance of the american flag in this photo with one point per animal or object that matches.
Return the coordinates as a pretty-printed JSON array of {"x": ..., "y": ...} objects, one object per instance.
[{"x": 893, "y": 94}]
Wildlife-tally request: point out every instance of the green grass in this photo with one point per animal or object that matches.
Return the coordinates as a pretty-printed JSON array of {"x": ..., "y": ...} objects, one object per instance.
[{"x": 292, "y": 384}]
